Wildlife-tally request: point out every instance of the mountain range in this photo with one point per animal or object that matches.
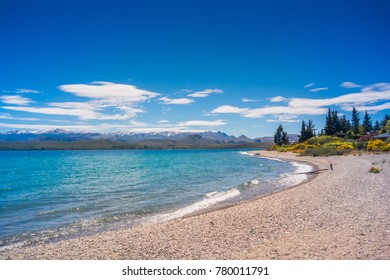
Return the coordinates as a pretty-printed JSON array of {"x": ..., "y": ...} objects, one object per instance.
[{"x": 63, "y": 139}]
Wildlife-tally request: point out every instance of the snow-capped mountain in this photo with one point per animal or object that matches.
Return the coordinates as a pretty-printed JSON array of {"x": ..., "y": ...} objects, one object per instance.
[{"x": 120, "y": 136}]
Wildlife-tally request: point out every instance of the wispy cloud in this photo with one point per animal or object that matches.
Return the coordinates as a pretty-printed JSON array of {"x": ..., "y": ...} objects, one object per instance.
[
  {"x": 318, "y": 89},
  {"x": 9, "y": 117},
  {"x": 309, "y": 85},
  {"x": 163, "y": 121},
  {"x": 109, "y": 91},
  {"x": 177, "y": 101},
  {"x": 371, "y": 109},
  {"x": 15, "y": 100},
  {"x": 377, "y": 87},
  {"x": 364, "y": 100},
  {"x": 349, "y": 85},
  {"x": 227, "y": 109},
  {"x": 26, "y": 90},
  {"x": 99, "y": 128},
  {"x": 201, "y": 123},
  {"x": 278, "y": 99},
  {"x": 284, "y": 118},
  {"x": 245, "y": 100},
  {"x": 205, "y": 93},
  {"x": 138, "y": 123},
  {"x": 102, "y": 99},
  {"x": 83, "y": 114}
]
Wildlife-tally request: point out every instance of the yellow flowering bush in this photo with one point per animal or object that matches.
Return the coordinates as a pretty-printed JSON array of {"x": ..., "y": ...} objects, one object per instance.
[
  {"x": 376, "y": 144},
  {"x": 345, "y": 146}
]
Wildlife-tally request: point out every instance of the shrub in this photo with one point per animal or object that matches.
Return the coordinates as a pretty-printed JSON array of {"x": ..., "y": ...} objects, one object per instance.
[
  {"x": 375, "y": 145},
  {"x": 324, "y": 151},
  {"x": 345, "y": 146},
  {"x": 361, "y": 145},
  {"x": 374, "y": 169},
  {"x": 320, "y": 140}
]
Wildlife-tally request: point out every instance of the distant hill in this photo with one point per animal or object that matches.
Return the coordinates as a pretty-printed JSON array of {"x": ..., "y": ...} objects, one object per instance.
[
  {"x": 59, "y": 139},
  {"x": 270, "y": 139}
]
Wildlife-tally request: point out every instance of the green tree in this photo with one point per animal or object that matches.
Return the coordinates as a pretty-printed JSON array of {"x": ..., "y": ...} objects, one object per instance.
[
  {"x": 367, "y": 123},
  {"x": 307, "y": 131},
  {"x": 280, "y": 137},
  {"x": 302, "y": 137},
  {"x": 384, "y": 121},
  {"x": 355, "y": 121},
  {"x": 328, "y": 130},
  {"x": 377, "y": 126},
  {"x": 345, "y": 124},
  {"x": 335, "y": 122},
  {"x": 387, "y": 126}
]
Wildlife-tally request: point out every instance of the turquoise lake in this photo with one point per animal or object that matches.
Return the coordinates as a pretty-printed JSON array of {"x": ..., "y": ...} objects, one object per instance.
[{"x": 52, "y": 195}]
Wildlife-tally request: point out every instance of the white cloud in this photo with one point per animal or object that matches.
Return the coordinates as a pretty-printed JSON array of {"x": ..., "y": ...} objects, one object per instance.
[
  {"x": 349, "y": 85},
  {"x": 205, "y": 93},
  {"x": 102, "y": 97},
  {"x": 227, "y": 109},
  {"x": 353, "y": 99},
  {"x": 371, "y": 109},
  {"x": 249, "y": 100},
  {"x": 26, "y": 90},
  {"x": 177, "y": 101},
  {"x": 278, "y": 99},
  {"x": 9, "y": 117},
  {"x": 201, "y": 123},
  {"x": 309, "y": 106},
  {"x": 83, "y": 114},
  {"x": 377, "y": 87},
  {"x": 309, "y": 85},
  {"x": 109, "y": 91},
  {"x": 97, "y": 128},
  {"x": 318, "y": 89},
  {"x": 163, "y": 121},
  {"x": 185, "y": 90},
  {"x": 105, "y": 95},
  {"x": 73, "y": 105},
  {"x": 15, "y": 100},
  {"x": 284, "y": 118},
  {"x": 137, "y": 123}
]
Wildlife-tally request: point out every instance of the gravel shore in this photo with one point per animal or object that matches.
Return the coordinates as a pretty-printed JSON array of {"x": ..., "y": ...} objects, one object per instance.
[{"x": 339, "y": 214}]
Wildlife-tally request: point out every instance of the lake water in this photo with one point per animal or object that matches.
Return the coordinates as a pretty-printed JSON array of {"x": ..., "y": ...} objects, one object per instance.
[{"x": 52, "y": 195}]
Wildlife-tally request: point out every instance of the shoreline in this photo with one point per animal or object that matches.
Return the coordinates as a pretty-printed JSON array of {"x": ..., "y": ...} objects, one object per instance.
[
  {"x": 221, "y": 200},
  {"x": 288, "y": 224}
]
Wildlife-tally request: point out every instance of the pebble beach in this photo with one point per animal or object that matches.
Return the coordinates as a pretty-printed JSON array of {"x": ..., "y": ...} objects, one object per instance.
[{"x": 342, "y": 213}]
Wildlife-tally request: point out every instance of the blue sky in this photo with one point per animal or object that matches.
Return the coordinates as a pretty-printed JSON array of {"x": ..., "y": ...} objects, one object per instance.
[{"x": 241, "y": 67}]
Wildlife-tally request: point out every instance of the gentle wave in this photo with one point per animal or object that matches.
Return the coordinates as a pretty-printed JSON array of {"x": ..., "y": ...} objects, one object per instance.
[{"x": 209, "y": 200}]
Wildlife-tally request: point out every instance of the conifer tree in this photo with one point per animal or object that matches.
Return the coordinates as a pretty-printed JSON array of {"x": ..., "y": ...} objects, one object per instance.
[
  {"x": 302, "y": 137},
  {"x": 328, "y": 130},
  {"x": 355, "y": 121},
  {"x": 345, "y": 125},
  {"x": 307, "y": 131},
  {"x": 310, "y": 130},
  {"x": 384, "y": 121},
  {"x": 367, "y": 123},
  {"x": 280, "y": 137},
  {"x": 377, "y": 126},
  {"x": 335, "y": 122}
]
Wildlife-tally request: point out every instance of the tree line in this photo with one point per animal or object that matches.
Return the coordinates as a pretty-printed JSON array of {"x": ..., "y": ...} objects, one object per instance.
[{"x": 339, "y": 126}]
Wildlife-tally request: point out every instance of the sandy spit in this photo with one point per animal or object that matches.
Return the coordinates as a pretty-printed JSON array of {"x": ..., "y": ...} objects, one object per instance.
[{"x": 340, "y": 214}]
